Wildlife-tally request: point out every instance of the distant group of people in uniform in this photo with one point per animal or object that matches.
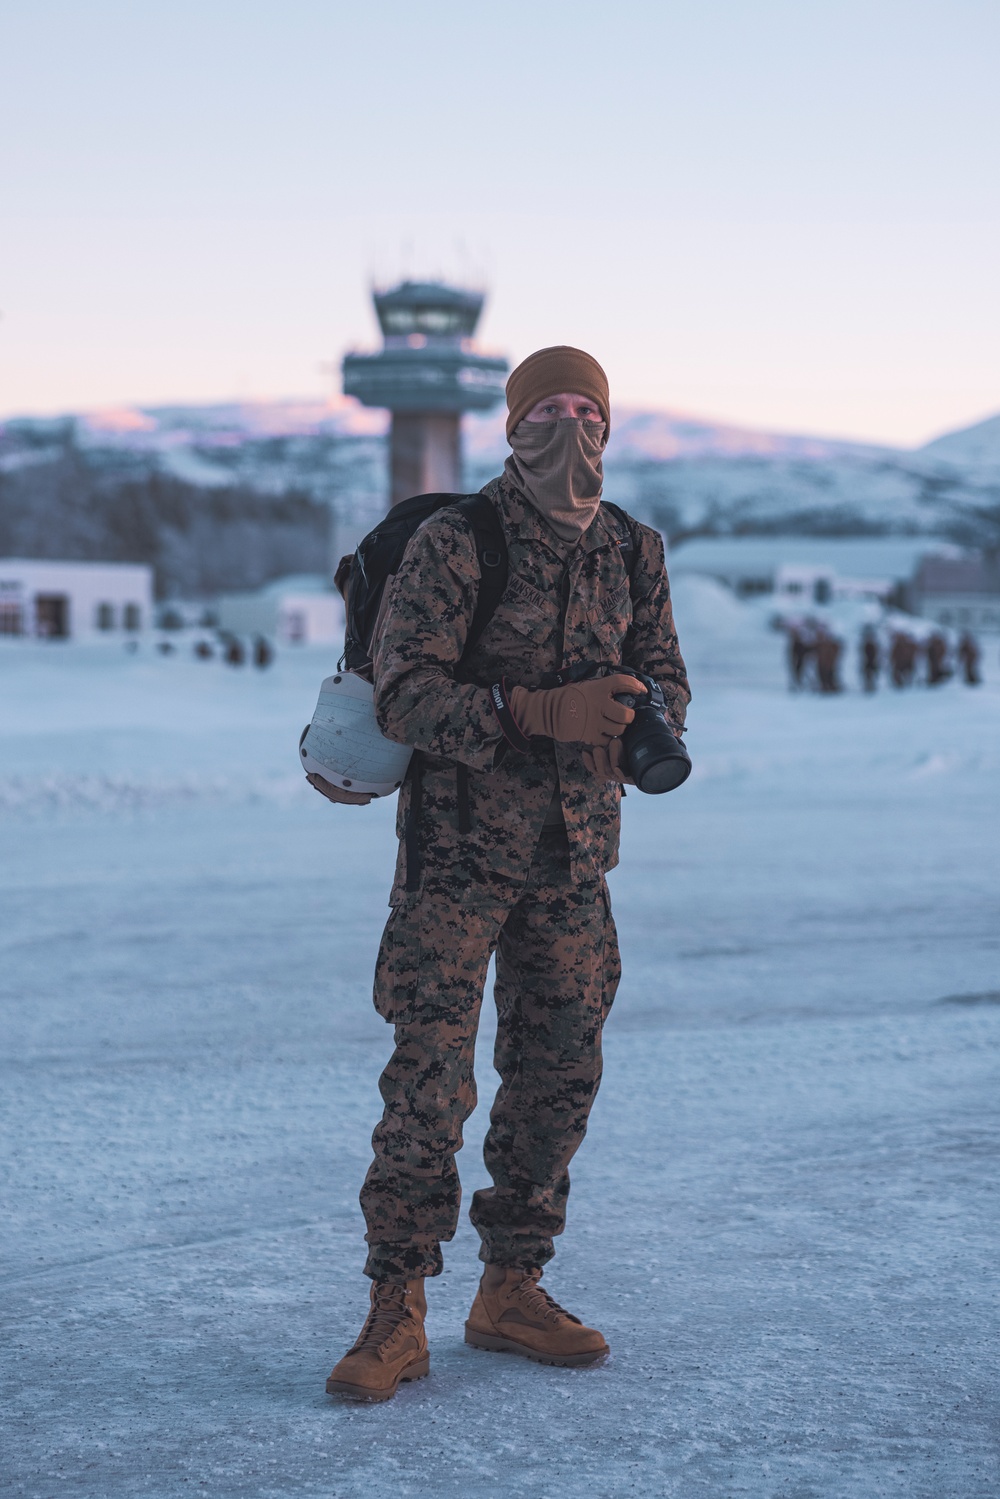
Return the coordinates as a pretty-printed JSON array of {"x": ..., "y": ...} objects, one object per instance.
[
  {"x": 232, "y": 650},
  {"x": 815, "y": 652}
]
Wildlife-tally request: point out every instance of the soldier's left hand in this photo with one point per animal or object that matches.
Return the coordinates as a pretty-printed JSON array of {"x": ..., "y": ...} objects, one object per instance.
[{"x": 606, "y": 764}]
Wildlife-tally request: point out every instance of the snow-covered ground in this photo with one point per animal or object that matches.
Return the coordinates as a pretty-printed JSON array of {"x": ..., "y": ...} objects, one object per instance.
[{"x": 785, "y": 1218}]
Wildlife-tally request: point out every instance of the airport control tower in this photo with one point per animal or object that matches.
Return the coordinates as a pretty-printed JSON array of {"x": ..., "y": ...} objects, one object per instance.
[{"x": 427, "y": 374}]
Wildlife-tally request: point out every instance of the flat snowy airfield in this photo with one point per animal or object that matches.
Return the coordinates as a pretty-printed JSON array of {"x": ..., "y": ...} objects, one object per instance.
[{"x": 785, "y": 1218}]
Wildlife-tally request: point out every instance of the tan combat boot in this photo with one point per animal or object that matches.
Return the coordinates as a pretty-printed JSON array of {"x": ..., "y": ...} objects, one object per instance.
[
  {"x": 512, "y": 1314},
  {"x": 392, "y": 1347}
]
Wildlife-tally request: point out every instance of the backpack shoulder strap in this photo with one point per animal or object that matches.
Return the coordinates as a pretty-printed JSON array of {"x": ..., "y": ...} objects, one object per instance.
[
  {"x": 480, "y": 514},
  {"x": 627, "y": 544}
]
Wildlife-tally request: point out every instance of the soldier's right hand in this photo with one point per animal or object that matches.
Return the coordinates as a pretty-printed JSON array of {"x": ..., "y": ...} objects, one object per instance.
[
  {"x": 580, "y": 713},
  {"x": 337, "y": 794}
]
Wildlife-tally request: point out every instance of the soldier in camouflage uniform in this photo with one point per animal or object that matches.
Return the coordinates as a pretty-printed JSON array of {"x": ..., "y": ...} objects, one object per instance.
[{"x": 507, "y": 828}]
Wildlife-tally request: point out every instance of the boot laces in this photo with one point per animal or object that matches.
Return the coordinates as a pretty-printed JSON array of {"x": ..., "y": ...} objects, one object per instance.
[
  {"x": 538, "y": 1302},
  {"x": 388, "y": 1310}
]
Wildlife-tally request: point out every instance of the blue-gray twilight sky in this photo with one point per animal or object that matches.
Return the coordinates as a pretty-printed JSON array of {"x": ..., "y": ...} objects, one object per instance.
[{"x": 781, "y": 212}]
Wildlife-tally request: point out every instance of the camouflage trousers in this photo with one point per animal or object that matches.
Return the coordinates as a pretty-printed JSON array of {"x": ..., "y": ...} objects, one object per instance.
[{"x": 556, "y": 975}]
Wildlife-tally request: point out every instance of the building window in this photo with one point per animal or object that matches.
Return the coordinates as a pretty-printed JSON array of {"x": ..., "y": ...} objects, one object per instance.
[
  {"x": 52, "y": 616},
  {"x": 295, "y": 626},
  {"x": 132, "y": 619},
  {"x": 105, "y": 616},
  {"x": 11, "y": 621}
]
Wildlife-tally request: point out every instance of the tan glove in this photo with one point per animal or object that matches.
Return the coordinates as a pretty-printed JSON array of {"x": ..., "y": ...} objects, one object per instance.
[
  {"x": 581, "y": 713},
  {"x": 337, "y": 794},
  {"x": 608, "y": 764}
]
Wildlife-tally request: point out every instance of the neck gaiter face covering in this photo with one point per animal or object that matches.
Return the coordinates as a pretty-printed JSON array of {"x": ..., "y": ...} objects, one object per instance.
[{"x": 557, "y": 467}]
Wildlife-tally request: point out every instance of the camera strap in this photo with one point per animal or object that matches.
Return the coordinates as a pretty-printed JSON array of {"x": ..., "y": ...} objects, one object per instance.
[{"x": 581, "y": 672}]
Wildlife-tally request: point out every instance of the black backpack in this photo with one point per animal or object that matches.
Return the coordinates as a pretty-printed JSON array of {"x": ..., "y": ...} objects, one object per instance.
[
  {"x": 379, "y": 556},
  {"x": 380, "y": 553}
]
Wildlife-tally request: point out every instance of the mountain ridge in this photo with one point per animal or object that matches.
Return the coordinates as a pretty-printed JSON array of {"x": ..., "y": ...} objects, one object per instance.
[
  {"x": 640, "y": 432},
  {"x": 684, "y": 474}
]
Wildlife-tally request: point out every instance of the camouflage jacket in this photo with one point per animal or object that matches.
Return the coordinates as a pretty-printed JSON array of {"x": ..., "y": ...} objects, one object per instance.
[{"x": 563, "y": 606}]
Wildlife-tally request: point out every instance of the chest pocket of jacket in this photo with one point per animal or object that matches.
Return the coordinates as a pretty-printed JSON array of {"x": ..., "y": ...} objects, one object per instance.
[
  {"x": 531, "y": 621},
  {"x": 609, "y": 623}
]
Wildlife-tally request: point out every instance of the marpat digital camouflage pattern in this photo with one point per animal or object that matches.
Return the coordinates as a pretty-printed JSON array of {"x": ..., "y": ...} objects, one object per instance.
[
  {"x": 554, "y": 615},
  {"x": 557, "y": 972},
  {"x": 538, "y": 898}
]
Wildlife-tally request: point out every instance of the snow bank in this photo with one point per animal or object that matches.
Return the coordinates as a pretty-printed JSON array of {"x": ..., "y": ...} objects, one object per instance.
[{"x": 722, "y": 639}]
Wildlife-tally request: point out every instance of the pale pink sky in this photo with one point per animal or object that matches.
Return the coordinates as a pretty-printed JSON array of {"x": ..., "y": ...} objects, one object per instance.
[{"x": 781, "y": 215}]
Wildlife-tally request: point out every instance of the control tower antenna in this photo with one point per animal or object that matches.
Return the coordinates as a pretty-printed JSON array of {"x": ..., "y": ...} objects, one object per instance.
[{"x": 426, "y": 374}]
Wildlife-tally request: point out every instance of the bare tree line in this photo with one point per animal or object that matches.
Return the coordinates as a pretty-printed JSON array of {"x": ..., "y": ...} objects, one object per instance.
[{"x": 198, "y": 541}]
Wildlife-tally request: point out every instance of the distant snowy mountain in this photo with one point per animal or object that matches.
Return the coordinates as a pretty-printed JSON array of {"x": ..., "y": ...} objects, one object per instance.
[
  {"x": 848, "y": 495},
  {"x": 975, "y": 450},
  {"x": 685, "y": 474},
  {"x": 228, "y": 423},
  {"x": 666, "y": 436},
  {"x": 690, "y": 476},
  {"x": 322, "y": 447}
]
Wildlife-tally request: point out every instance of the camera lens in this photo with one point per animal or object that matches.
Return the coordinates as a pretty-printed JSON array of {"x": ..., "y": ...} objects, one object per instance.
[{"x": 656, "y": 758}]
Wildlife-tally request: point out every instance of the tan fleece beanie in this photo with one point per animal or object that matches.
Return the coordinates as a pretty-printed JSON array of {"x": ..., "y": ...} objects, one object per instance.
[{"x": 550, "y": 372}]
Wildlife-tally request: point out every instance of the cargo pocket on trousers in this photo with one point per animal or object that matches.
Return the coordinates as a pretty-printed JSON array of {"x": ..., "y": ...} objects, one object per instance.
[
  {"x": 397, "y": 970},
  {"x": 612, "y": 963}
]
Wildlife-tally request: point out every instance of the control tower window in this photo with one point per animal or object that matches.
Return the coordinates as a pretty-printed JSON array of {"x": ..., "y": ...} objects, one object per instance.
[
  {"x": 437, "y": 320},
  {"x": 434, "y": 320}
]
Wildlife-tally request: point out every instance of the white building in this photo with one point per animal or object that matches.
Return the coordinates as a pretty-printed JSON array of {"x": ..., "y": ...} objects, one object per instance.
[
  {"x": 804, "y": 570},
  {"x": 300, "y": 610},
  {"x": 73, "y": 600},
  {"x": 963, "y": 593}
]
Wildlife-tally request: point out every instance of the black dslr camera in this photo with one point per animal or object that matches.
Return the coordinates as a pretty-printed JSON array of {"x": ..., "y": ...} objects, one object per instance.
[{"x": 654, "y": 757}]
